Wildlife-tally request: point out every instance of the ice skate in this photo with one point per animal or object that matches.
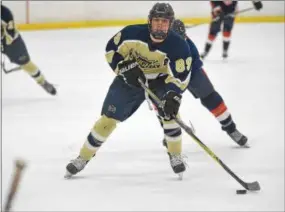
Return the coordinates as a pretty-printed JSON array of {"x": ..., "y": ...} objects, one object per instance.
[
  {"x": 164, "y": 143},
  {"x": 49, "y": 88},
  {"x": 203, "y": 55},
  {"x": 225, "y": 55},
  {"x": 177, "y": 163},
  {"x": 239, "y": 138},
  {"x": 226, "y": 44},
  {"x": 207, "y": 49},
  {"x": 75, "y": 166}
]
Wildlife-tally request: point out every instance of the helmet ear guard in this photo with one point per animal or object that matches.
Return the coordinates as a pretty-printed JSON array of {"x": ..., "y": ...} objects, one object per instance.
[{"x": 160, "y": 10}]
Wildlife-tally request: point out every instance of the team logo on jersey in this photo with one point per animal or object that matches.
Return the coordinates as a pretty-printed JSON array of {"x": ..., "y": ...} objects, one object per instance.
[{"x": 144, "y": 62}]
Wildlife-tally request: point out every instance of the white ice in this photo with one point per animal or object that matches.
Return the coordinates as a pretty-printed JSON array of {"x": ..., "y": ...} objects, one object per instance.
[{"x": 132, "y": 172}]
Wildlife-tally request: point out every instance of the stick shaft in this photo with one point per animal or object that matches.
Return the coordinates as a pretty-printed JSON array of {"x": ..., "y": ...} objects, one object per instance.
[
  {"x": 14, "y": 185},
  {"x": 189, "y": 131},
  {"x": 217, "y": 18}
]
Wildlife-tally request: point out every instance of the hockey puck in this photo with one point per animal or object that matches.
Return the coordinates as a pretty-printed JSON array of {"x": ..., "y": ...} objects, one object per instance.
[{"x": 241, "y": 191}]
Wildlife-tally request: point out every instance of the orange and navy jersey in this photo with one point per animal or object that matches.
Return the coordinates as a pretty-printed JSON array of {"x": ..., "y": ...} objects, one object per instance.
[
  {"x": 227, "y": 6},
  {"x": 196, "y": 60}
]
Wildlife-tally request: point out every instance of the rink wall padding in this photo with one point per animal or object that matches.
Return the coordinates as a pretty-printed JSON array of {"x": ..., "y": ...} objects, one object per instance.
[{"x": 114, "y": 23}]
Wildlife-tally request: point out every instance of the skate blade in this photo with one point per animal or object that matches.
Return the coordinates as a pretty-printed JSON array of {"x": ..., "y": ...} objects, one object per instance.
[
  {"x": 245, "y": 145},
  {"x": 67, "y": 175},
  {"x": 180, "y": 176}
]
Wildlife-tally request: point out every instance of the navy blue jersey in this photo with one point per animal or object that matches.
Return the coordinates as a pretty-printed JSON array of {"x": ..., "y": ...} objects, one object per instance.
[
  {"x": 227, "y": 6},
  {"x": 196, "y": 60},
  {"x": 171, "y": 59}
]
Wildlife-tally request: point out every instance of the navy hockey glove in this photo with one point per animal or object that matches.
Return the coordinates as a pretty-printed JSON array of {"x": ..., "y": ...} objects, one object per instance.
[
  {"x": 130, "y": 72},
  {"x": 170, "y": 104},
  {"x": 257, "y": 5}
]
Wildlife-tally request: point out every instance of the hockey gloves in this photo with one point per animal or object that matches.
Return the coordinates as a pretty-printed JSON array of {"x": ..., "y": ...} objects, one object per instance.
[
  {"x": 257, "y": 5},
  {"x": 130, "y": 72},
  {"x": 170, "y": 104},
  {"x": 218, "y": 13}
]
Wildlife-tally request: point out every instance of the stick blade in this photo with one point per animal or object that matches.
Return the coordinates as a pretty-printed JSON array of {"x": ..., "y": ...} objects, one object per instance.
[{"x": 254, "y": 186}]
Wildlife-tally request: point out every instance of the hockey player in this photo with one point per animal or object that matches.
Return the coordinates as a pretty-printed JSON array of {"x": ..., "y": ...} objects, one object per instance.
[
  {"x": 223, "y": 14},
  {"x": 13, "y": 46},
  {"x": 162, "y": 59},
  {"x": 201, "y": 87}
]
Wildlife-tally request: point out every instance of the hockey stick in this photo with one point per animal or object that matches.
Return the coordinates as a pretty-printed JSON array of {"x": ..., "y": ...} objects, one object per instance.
[
  {"x": 218, "y": 17},
  {"x": 20, "y": 165},
  {"x": 3, "y": 67},
  {"x": 7, "y": 71},
  {"x": 253, "y": 186}
]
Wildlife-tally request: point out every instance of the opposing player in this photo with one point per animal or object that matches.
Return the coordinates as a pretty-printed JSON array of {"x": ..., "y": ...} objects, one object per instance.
[
  {"x": 161, "y": 59},
  {"x": 201, "y": 87},
  {"x": 13, "y": 46},
  {"x": 223, "y": 16}
]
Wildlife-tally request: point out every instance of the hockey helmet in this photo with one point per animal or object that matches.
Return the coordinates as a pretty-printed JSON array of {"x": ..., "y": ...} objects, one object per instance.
[
  {"x": 179, "y": 27},
  {"x": 160, "y": 10}
]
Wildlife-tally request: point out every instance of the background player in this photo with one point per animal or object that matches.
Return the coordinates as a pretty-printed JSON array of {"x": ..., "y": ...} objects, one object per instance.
[
  {"x": 13, "y": 46},
  {"x": 224, "y": 12},
  {"x": 201, "y": 87},
  {"x": 154, "y": 53}
]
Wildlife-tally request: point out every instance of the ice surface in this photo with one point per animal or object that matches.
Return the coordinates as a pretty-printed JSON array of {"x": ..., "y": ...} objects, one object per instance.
[{"x": 132, "y": 172}]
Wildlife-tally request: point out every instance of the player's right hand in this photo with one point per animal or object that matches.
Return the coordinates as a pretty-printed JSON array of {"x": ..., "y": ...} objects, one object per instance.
[
  {"x": 217, "y": 11},
  {"x": 257, "y": 5},
  {"x": 130, "y": 72}
]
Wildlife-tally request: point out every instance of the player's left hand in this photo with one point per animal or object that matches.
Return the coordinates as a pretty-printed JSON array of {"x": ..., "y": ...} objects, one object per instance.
[{"x": 257, "y": 5}]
